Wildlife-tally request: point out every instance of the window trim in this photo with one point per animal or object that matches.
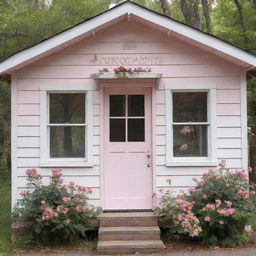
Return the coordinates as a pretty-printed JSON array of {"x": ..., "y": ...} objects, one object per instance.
[
  {"x": 211, "y": 160},
  {"x": 45, "y": 160}
]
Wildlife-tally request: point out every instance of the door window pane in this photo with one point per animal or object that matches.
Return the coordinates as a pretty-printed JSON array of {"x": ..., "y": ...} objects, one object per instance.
[
  {"x": 67, "y": 108},
  {"x": 67, "y": 141},
  {"x": 135, "y": 105},
  {"x": 190, "y": 140},
  {"x": 190, "y": 107},
  {"x": 117, "y": 130},
  {"x": 117, "y": 105},
  {"x": 136, "y": 129}
]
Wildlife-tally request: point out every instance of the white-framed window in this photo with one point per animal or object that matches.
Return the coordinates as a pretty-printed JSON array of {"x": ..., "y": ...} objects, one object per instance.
[
  {"x": 191, "y": 125},
  {"x": 66, "y": 127}
]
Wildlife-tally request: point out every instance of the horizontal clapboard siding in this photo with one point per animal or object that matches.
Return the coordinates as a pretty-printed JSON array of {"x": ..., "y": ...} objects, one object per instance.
[{"x": 179, "y": 63}]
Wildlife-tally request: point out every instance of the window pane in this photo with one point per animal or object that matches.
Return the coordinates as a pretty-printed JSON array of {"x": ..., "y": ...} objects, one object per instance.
[
  {"x": 190, "y": 140},
  {"x": 117, "y": 105},
  {"x": 117, "y": 130},
  {"x": 135, "y": 105},
  {"x": 136, "y": 131},
  {"x": 190, "y": 107},
  {"x": 67, "y": 141},
  {"x": 67, "y": 108}
]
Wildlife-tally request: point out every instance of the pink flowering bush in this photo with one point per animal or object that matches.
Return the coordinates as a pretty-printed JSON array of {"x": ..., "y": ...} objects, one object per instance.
[
  {"x": 223, "y": 204},
  {"x": 54, "y": 212},
  {"x": 177, "y": 214},
  {"x": 216, "y": 210},
  {"x": 123, "y": 70}
]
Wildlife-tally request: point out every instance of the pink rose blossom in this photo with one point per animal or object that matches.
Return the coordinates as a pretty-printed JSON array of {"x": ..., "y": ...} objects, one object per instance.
[
  {"x": 43, "y": 202},
  {"x": 67, "y": 221},
  {"x": 221, "y": 222},
  {"x": 218, "y": 203},
  {"x": 78, "y": 209},
  {"x": 195, "y": 179},
  {"x": 207, "y": 219},
  {"x": 66, "y": 199},
  {"x": 192, "y": 190},
  {"x": 229, "y": 203},
  {"x": 23, "y": 193},
  {"x": 65, "y": 211},
  {"x": 210, "y": 206},
  {"x": 71, "y": 185}
]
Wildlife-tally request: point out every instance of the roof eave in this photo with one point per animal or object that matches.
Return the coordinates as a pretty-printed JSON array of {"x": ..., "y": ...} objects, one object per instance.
[{"x": 60, "y": 41}]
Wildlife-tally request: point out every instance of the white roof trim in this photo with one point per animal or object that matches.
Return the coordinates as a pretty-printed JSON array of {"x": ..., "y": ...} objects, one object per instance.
[{"x": 112, "y": 14}]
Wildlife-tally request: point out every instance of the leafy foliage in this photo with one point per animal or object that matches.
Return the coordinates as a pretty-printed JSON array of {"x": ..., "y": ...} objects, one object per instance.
[
  {"x": 55, "y": 212},
  {"x": 217, "y": 209}
]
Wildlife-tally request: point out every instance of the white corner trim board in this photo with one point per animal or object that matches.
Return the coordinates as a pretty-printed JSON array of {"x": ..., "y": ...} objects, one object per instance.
[
  {"x": 14, "y": 138},
  {"x": 244, "y": 122},
  {"x": 78, "y": 32}
]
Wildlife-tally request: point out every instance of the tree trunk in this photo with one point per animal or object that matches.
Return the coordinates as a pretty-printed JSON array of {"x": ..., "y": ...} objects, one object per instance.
[
  {"x": 165, "y": 7},
  {"x": 253, "y": 3},
  {"x": 185, "y": 11},
  {"x": 207, "y": 17},
  {"x": 195, "y": 14},
  {"x": 190, "y": 11},
  {"x": 241, "y": 19}
]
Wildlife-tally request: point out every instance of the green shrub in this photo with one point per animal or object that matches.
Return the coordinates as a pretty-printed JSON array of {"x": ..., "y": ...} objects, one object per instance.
[
  {"x": 216, "y": 209},
  {"x": 223, "y": 204},
  {"x": 177, "y": 215},
  {"x": 54, "y": 212}
]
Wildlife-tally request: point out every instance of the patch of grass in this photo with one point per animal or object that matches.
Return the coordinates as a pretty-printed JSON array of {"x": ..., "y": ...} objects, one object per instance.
[{"x": 5, "y": 216}]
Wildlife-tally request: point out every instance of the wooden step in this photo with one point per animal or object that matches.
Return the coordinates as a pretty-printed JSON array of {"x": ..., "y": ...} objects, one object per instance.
[
  {"x": 131, "y": 246},
  {"x": 129, "y": 233},
  {"x": 127, "y": 219}
]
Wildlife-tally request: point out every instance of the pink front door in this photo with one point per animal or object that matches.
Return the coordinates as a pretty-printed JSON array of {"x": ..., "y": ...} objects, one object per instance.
[{"x": 127, "y": 148}]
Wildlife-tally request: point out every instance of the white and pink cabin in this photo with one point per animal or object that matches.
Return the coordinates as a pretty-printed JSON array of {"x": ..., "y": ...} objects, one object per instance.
[{"x": 126, "y": 136}]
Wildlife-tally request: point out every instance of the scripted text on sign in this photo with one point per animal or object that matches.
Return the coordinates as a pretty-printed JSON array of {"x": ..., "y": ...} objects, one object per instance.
[{"x": 129, "y": 60}]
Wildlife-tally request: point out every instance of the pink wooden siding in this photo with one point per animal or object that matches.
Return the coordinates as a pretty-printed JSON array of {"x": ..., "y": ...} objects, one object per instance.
[{"x": 181, "y": 64}]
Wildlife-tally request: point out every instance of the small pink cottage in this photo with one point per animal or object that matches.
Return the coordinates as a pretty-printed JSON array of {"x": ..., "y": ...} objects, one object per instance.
[{"x": 124, "y": 134}]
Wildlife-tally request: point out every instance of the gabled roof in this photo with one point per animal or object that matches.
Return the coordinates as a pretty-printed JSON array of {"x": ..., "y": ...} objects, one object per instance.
[{"x": 114, "y": 15}]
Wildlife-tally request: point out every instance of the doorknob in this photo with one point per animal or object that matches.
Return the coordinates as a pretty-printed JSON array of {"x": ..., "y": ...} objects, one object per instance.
[{"x": 148, "y": 158}]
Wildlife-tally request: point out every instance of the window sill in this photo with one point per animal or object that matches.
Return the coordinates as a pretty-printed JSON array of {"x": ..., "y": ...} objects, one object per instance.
[
  {"x": 59, "y": 164},
  {"x": 187, "y": 164}
]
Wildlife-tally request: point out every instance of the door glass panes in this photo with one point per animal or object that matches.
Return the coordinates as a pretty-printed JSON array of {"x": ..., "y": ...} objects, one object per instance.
[
  {"x": 190, "y": 107},
  {"x": 136, "y": 128},
  {"x": 67, "y": 108},
  {"x": 135, "y": 105},
  {"x": 67, "y": 141},
  {"x": 117, "y": 130},
  {"x": 126, "y": 118},
  {"x": 117, "y": 105}
]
